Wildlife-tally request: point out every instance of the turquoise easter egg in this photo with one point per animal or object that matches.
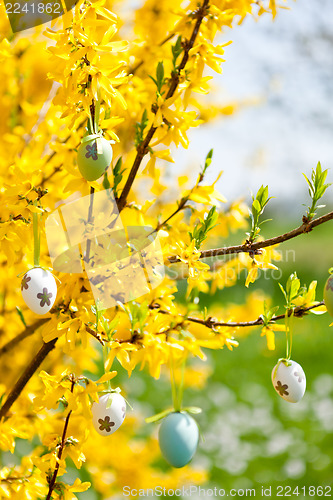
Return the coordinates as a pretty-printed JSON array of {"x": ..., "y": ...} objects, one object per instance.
[
  {"x": 91, "y": 163},
  {"x": 178, "y": 438},
  {"x": 328, "y": 295}
]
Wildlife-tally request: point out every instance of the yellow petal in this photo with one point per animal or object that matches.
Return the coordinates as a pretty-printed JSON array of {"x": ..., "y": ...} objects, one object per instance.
[
  {"x": 251, "y": 277},
  {"x": 106, "y": 377}
]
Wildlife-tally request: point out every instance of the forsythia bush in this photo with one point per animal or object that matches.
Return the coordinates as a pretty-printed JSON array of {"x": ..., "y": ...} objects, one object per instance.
[{"x": 143, "y": 73}]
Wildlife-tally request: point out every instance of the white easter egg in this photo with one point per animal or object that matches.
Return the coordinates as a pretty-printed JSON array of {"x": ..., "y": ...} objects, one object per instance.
[
  {"x": 39, "y": 290},
  {"x": 289, "y": 381},
  {"x": 107, "y": 420}
]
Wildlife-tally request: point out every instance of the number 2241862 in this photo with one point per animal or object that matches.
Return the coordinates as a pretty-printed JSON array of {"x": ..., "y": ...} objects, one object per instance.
[
  {"x": 33, "y": 8},
  {"x": 312, "y": 491}
]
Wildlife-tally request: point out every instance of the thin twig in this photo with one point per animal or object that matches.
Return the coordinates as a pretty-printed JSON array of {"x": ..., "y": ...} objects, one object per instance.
[
  {"x": 253, "y": 248},
  {"x": 26, "y": 333},
  {"x": 26, "y": 376},
  {"x": 94, "y": 334},
  {"x": 211, "y": 322},
  {"x": 12, "y": 479},
  {"x": 142, "y": 150},
  {"x": 61, "y": 447},
  {"x": 181, "y": 206},
  {"x": 90, "y": 217}
]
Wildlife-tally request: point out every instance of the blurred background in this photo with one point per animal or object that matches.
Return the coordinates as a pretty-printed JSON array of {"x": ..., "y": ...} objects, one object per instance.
[
  {"x": 286, "y": 68},
  {"x": 281, "y": 73},
  {"x": 281, "y": 76}
]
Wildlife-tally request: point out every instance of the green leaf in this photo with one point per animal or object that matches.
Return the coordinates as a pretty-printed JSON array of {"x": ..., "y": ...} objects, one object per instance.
[
  {"x": 137, "y": 314},
  {"x": 259, "y": 202},
  {"x": 176, "y": 51},
  {"x": 256, "y": 206},
  {"x": 109, "y": 326},
  {"x": 269, "y": 313},
  {"x": 202, "y": 229},
  {"x": 160, "y": 76},
  {"x": 159, "y": 416},
  {"x": 283, "y": 291},
  {"x": 208, "y": 161},
  {"x": 195, "y": 410},
  {"x": 117, "y": 175},
  {"x": 292, "y": 286},
  {"x": 20, "y": 313},
  {"x": 140, "y": 127},
  {"x": 106, "y": 182},
  {"x": 317, "y": 188}
]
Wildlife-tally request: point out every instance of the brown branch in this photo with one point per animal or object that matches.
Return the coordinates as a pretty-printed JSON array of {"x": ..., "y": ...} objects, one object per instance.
[
  {"x": 142, "y": 150},
  {"x": 254, "y": 248},
  {"x": 95, "y": 334},
  {"x": 210, "y": 322},
  {"x": 13, "y": 479},
  {"x": 182, "y": 203},
  {"x": 30, "y": 330},
  {"x": 55, "y": 170},
  {"x": 26, "y": 376},
  {"x": 26, "y": 333},
  {"x": 90, "y": 218},
  {"x": 61, "y": 447},
  {"x": 181, "y": 206}
]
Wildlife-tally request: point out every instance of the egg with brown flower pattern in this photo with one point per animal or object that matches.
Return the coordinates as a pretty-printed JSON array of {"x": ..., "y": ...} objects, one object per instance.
[
  {"x": 39, "y": 290},
  {"x": 109, "y": 413},
  {"x": 289, "y": 381}
]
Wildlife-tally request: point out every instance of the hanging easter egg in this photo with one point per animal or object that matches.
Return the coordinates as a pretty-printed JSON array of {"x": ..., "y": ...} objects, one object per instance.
[
  {"x": 39, "y": 290},
  {"x": 178, "y": 438},
  {"x": 328, "y": 295},
  {"x": 94, "y": 157},
  {"x": 109, "y": 413},
  {"x": 289, "y": 381}
]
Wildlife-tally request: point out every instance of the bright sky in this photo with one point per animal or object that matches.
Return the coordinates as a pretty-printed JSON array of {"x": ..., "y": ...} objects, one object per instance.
[{"x": 288, "y": 64}]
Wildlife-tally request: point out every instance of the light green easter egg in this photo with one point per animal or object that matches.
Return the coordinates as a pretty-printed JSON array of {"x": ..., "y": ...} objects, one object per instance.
[
  {"x": 91, "y": 163},
  {"x": 328, "y": 295}
]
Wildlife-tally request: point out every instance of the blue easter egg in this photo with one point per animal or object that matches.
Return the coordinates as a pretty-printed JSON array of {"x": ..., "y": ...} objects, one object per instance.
[{"x": 178, "y": 438}]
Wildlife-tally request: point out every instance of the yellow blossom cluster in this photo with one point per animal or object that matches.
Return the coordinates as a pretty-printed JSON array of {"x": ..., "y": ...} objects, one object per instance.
[{"x": 145, "y": 71}]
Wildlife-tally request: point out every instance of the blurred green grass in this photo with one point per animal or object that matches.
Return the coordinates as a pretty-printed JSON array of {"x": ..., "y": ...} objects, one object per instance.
[{"x": 253, "y": 437}]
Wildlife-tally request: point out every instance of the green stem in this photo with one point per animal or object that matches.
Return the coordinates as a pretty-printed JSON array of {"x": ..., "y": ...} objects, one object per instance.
[
  {"x": 97, "y": 109},
  {"x": 36, "y": 240},
  {"x": 173, "y": 385},
  {"x": 181, "y": 385},
  {"x": 289, "y": 334},
  {"x": 106, "y": 351},
  {"x": 291, "y": 321}
]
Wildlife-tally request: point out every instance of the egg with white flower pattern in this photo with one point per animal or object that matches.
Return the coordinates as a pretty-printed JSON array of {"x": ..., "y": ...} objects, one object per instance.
[
  {"x": 109, "y": 413},
  {"x": 39, "y": 290},
  {"x": 289, "y": 381}
]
